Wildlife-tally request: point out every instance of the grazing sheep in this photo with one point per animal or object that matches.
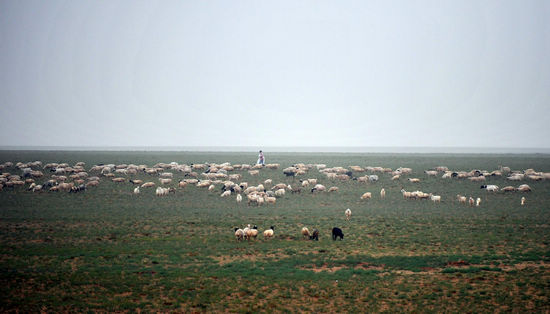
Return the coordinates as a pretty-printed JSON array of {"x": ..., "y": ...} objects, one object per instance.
[
  {"x": 414, "y": 180},
  {"x": 211, "y": 188},
  {"x": 524, "y": 188},
  {"x": 348, "y": 214},
  {"x": 137, "y": 182},
  {"x": 269, "y": 232},
  {"x": 239, "y": 234},
  {"x": 290, "y": 171},
  {"x": 516, "y": 177},
  {"x": 161, "y": 191},
  {"x": 395, "y": 177},
  {"x": 295, "y": 189},
  {"x": 319, "y": 188},
  {"x": 252, "y": 198},
  {"x": 508, "y": 188},
  {"x": 477, "y": 179},
  {"x": 373, "y": 178},
  {"x": 254, "y": 172},
  {"x": 270, "y": 200},
  {"x": 333, "y": 189},
  {"x": 148, "y": 185},
  {"x": 239, "y": 198},
  {"x": 65, "y": 186},
  {"x": 490, "y": 188},
  {"x": 305, "y": 232},
  {"x": 315, "y": 235},
  {"x": 522, "y": 200},
  {"x": 461, "y": 199},
  {"x": 435, "y": 198},
  {"x": 305, "y": 183},
  {"x": 431, "y": 172},
  {"x": 92, "y": 183},
  {"x": 280, "y": 192},
  {"x": 136, "y": 190},
  {"x": 226, "y": 193},
  {"x": 268, "y": 182},
  {"x": 165, "y": 181},
  {"x": 119, "y": 180},
  {"x": 251, "y": 233},
  {"x": 337, "y": 232},
  {"x": 382, "y": 193},
  {"x": 366, "y": 196},
  {"x": 406, "y": 195},
  {"x": 478, "y": 201}
]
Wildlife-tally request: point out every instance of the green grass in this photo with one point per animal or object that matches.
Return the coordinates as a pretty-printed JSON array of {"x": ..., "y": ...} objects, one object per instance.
[{"x": 109, "y": 250}]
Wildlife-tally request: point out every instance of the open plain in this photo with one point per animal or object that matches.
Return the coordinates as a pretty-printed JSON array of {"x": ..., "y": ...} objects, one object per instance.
[{"x": 108, "y": 249}]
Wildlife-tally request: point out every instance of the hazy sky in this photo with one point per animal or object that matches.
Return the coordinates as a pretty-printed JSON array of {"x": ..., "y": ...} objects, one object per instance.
[{"x": 277, "y": 73}]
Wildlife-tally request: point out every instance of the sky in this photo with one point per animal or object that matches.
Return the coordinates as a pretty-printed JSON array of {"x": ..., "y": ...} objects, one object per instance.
[{"x": 275, "y": 73}]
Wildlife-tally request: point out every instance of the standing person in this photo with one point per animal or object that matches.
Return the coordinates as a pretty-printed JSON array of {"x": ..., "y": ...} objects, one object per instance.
[{"x": 261, "y": 158}]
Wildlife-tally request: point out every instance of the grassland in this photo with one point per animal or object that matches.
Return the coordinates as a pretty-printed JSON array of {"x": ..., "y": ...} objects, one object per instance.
[{"x": 109, "y": 250}]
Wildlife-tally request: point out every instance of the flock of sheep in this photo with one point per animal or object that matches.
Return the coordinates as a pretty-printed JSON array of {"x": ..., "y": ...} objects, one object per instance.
[{"x": 227, "y": 180}]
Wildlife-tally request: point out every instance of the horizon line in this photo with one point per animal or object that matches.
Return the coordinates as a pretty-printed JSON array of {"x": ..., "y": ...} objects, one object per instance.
[{"x": 312, "y": 148}]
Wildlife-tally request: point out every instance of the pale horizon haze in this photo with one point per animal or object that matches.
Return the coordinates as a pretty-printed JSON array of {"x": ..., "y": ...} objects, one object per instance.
[{"x": 275, "y": 73}]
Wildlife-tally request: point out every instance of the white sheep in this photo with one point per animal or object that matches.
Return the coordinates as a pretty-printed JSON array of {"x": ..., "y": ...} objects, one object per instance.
[
  {"x": 270, "y": 200},
  {"x": 251, "y": 233},
  {"x": 161, "y": 191},
  {"x": 239, "y": 198},
  {"x": 280, "y": 192},
  {"x": 435, "y": 198},
  {"x": 269, "y": 232},
  {"x": 318, "y": 187},
  {"x": 136, "y": 190},
  {"x": 305, "y": 232},
  {"x": 478, "y": 201},
  {"x": 366, "y": 196},
  {"x": 239, "y": 234},
  {"x": 333, "y": 189},
  {"x": 348, "y": 214},
  {"x": 382, "y": 193},
  {"x": 522, "y": 200},
  {"x": 524, "y": 188},
  {"x": 226, "y": 193},
  {"x": 490, "y": 188}
]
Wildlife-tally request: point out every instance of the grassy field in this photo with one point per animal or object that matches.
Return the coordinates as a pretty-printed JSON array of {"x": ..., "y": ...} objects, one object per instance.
[{"x": 109, "y": 250}]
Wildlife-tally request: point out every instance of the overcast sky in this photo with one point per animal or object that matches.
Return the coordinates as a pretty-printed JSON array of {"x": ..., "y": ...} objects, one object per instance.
[{"x": 277, "y": 73}]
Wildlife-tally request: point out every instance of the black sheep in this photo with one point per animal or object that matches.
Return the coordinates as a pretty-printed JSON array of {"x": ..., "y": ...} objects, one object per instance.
[
  {"x": 337, "y": 232},
  {"x": 314, "y": 235}
]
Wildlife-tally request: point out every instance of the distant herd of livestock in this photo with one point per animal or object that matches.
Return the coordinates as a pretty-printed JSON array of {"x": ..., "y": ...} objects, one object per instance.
[
  {"x": 227, "y": 179},
  {"x": 75, "y": 178}
]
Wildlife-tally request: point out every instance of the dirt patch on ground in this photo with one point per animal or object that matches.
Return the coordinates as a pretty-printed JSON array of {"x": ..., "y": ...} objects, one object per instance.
[
  {"x": 325, "y": 267},
  {"x": 225, "y": 259}
]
